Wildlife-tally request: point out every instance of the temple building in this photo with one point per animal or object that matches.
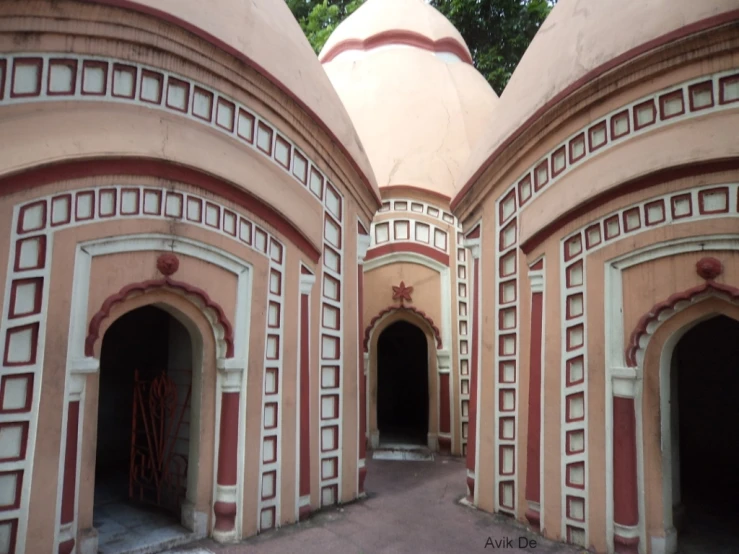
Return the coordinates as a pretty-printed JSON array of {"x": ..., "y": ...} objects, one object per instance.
[
  {"x": 406, "y": 77},
  {"x": 235, "y": 269}
]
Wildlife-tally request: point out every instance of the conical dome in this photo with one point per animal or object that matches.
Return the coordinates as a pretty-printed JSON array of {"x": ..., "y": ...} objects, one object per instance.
[
  {"x": 405, "y": 76},
  {"x": 264, "y": 34}
]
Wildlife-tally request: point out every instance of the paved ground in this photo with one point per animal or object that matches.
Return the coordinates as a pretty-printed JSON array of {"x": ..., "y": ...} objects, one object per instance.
[{"x": 412, "y": 507}]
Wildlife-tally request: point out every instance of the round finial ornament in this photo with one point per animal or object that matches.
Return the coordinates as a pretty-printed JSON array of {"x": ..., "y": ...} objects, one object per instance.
[
  {"x": 168, "y": 264},
  {"x": 709, "y": 268}
]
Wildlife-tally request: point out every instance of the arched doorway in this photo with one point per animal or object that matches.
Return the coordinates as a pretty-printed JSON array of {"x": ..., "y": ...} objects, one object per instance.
[
  {"x": 704, "y": 415},
  {"x": 143, "y": 430},
  {"x": 402, "y": 385}
]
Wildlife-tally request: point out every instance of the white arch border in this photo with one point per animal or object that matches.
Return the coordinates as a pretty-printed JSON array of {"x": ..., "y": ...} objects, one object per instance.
[
  {"x": 443, "y": 355},
  {"x": 230, "y": 377},
  {"x": 626, "y": 381}
]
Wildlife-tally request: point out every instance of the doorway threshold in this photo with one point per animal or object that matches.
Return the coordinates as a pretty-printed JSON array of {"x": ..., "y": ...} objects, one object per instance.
[
  {"x": 403, "y": 452},
  {"x": 402, "y": 455},
  {"x": 126, "y": 529}
]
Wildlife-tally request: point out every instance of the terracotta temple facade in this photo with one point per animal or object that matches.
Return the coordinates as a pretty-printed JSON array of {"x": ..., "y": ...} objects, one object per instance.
[{"x": 234, "y": 268}]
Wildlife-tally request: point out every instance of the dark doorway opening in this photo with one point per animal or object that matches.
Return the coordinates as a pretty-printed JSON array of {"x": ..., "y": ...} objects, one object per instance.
[
  {"x": 706, "y": 468},
  {"x": 143, "y": 431},
  {"x": 402, "y": 385}
]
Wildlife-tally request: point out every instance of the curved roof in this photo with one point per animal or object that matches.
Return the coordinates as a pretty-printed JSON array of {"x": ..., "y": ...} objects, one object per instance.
[
  {"x": 265, "y": 35},
  {"x": 579, "y": 40},
  {"x": 396, "y": 21},
  {"x": 418, "y": 113}
]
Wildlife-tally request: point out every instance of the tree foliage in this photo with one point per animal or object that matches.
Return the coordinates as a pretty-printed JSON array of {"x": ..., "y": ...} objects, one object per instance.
[
  {"x": 319, "y": 18},
  {"x": 496, "y": 31}
]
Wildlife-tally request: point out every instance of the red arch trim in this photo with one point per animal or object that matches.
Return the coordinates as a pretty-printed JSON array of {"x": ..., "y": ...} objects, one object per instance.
[
  {"x": 94, "y": 328},
  {"x": 79, "y": 169},
  {"x": 390, "y": 309},
  {"x": 653, "y": 314},
  {"x": 397, "y": 36}
]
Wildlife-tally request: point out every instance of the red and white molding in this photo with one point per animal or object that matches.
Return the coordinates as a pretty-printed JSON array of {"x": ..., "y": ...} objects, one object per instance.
[
  {"x": 270, "y": 460},
  {"x": 464, "y": 309},
  {"x": 330, "y": 400},
  {"x": 363, "y": 244},
  {"x": 62, "y": 76},
  {"x": 303, "y": 498},
  {"x": 473, "y": 245},
  {"x": 32, "y": 234},
  {"x": 683, "y": 206}
]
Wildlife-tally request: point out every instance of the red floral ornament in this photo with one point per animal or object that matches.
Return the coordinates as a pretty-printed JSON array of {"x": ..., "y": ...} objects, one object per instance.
[{"x": 402, "y": 293}]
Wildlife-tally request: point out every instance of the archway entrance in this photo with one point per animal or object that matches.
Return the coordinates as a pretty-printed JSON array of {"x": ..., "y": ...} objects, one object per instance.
[
  {"x": 705, "y": 446},
  {"x": 402, "y": 385},
  {"x": 143, "y": 431}
]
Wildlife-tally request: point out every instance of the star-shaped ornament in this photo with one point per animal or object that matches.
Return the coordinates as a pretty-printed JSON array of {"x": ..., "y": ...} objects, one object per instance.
[{"x": 402, "y": 293}]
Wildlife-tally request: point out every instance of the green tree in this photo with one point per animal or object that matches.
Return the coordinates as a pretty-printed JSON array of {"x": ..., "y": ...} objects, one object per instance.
[
  {"x": 496, "y": 31},
  {"x": 319, "y": 18}
]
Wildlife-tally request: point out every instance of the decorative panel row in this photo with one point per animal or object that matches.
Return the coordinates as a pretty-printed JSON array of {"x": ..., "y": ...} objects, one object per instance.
[
  {"x": 574, "y": 436},
  {"x": 464, "y": 337},
  {"x": 270, "y": 465},
  {"x": 405, "y": 230},
  {"x": 52, "y": 77},
  {"x": 39, "y": 217},
  {"x": 688, "y": 100},
  {"x": 23, "y": 326}
]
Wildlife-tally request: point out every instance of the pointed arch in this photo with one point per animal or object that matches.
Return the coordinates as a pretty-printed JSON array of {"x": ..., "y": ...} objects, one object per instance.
[
  {"x": 407, "y": 309},
  {"x": 662, "y": 311},
  {"x": 222, "y": 328}
]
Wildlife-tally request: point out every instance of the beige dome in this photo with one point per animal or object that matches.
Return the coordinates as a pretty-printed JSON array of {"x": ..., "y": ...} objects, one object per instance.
[
  {"x": 580, "y": 39},
  {"x": 418, "y": 113},
  {"x": 411, "y": 22},
  {"x": 264, "y": 34}
]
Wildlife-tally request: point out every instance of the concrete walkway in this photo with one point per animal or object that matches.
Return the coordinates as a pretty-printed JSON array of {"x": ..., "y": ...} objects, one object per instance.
[{"x": 412, "y": 507}]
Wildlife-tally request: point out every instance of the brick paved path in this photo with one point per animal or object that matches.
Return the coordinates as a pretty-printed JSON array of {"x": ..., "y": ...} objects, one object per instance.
[{"x": 412, "y": 507}]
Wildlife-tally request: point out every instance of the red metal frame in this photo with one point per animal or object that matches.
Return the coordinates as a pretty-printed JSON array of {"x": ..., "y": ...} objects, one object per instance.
[{"x": 158, "y": 474}]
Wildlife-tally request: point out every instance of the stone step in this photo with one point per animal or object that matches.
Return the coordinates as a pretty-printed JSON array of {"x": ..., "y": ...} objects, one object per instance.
[{"x": 403, "y": 453}]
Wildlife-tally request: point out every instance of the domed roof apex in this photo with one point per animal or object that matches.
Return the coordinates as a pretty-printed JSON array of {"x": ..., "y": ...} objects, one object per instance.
[{"x": 385, "y": 22}]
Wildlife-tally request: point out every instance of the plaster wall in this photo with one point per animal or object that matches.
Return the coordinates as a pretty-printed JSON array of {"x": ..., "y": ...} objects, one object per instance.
[{"x": 425, "y": 282}]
